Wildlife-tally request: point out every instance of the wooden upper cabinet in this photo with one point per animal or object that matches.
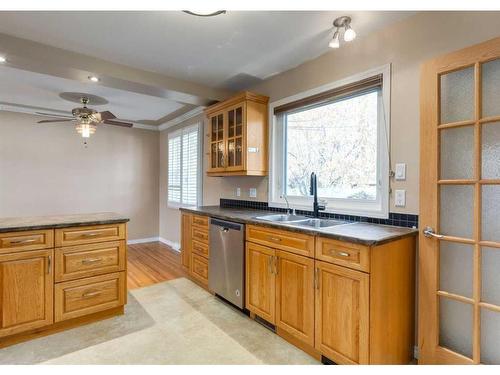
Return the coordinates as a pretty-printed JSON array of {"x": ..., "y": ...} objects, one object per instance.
[
  {"x": 237, "y": 132},
  {"x": 260, "y": 281},
  {"x": 342, "y": 314},
  {"x": 26, "y": 291}
]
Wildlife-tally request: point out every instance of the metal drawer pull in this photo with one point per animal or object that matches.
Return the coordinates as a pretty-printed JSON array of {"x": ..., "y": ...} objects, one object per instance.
[
  {"x": 90, "y": 261},
  {"x": 274, "y": 238},
  {"x": 23, "y": 241},
  {"x": 90, "y": 294},
  {"x": 343, "y": 254},
  {"x": 90, "y": 234}
]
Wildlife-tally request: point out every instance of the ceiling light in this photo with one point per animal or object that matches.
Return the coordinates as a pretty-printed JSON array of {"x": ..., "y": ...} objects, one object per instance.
[
  {"x": 335, "y": 43},
  {"x": 349, "y": 34},
  {"x": 94, "y": 78},
  {"x": 85, "y": 128},
  {"x": 2, "y": 59},
  {"x": 204, "y": 13}
]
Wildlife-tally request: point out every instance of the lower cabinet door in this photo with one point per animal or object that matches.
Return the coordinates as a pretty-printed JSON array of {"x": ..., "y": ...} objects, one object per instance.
[
  {"x": 26, "y": 291},
  {"x": 90, "y": 295},
  {"x": 342, "y": 314},
  {"x": 186, "y": 239},
  {"x": 199, "y": 269},
  {"x": 260, "y": 281},
  {"x": 295, "y": 295}
]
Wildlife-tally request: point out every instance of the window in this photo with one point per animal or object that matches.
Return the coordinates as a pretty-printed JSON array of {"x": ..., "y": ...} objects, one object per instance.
[
  {"x": 183, "y": 167},
  {"x": 339, "y": 132}
]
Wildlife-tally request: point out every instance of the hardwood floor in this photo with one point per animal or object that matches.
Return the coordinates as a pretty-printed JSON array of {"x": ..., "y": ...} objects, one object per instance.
[{"x": 151, "y": 263}]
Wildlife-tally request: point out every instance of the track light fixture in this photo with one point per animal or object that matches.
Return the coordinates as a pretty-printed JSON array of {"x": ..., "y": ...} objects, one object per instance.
[{"x": 349, "y": 33}]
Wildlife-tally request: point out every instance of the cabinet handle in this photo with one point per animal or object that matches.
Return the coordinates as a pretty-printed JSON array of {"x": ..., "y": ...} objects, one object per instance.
[
  {"x": 49, "y": 264},
  {"x": 92, "y": 234},
  {"x": 343, "y": 254},
  {"x": 90, "y": 294},
  {"x": 276, "y": 239},
  {"x": 17, "y": 242},
  {"x": 90, "y": 261}
]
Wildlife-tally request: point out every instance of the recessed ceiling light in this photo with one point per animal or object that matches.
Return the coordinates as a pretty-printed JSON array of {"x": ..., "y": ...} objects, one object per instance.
[
  {"x": 94, "y": 79},
  {"x": 2, "y": 59}
]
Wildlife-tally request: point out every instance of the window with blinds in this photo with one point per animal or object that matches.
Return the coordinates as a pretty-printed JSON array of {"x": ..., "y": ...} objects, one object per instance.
[{"x": 183, "y": 164}]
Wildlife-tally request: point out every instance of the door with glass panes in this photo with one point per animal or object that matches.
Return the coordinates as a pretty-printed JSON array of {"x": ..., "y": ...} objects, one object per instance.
[
  {"x": 459, "y": 255},
  {"x": 235, "y": 137},
  {"x": 217, "y": 143}
]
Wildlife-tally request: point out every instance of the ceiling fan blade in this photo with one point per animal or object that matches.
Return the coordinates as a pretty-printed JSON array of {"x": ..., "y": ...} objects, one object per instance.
[
  {"x": 118, "y": 123},
  {"x": 52, "y": 115},
  {"x": 106, "y": 115},
  {"x": 55, "y": 120}
]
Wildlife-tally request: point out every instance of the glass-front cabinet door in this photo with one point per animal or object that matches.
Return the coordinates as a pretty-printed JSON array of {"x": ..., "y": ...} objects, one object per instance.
[
  {"x": 217, "y": 160},
  {"x": 235, "y": 137}
]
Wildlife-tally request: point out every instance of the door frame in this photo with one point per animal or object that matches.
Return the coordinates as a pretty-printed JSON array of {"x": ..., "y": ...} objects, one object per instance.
[{"x": 428, "y": 323}]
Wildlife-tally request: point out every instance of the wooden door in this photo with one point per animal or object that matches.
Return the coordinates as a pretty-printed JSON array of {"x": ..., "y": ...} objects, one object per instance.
[
  {"x": 217, "y": 162},
  {"x": 295, "y": 295},
  {"x": 186, "y": 239},
  {"x": 236, "y": 136},
  {"x": 459, "y": 256},
  {"x": 260, "y": 281},
  {"x": 26, "y": 291},
  {"x": 342, "y": 314}
]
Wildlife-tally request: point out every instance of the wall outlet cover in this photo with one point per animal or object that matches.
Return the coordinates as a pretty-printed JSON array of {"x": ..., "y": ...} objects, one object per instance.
[
  {"x": 400, "y": 173},
  {"x": 252, "y": 193},
  {"x": 238, "y": 192},
  {"x": 400, "y": 198}
]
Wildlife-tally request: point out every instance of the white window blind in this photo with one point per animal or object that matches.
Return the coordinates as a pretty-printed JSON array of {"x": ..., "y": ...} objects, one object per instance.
[{"x": 183, "y": 162}]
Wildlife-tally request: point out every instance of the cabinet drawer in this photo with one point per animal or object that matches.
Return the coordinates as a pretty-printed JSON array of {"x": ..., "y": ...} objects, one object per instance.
[
  {"x": 201, "y": 221},
  {"x": 200, "y": 234},
  {"x": 76, "y": 262},
  {"x": 89, "y": 234},
  {"x": 343, "y": 253},
  {"x": 200, "y": 248},
  {"x": 298, "y": 243},
  {"x": 90, "y": 295},
  {"x": 199, "y": 268},
  {"x": 12, "y": 242}
]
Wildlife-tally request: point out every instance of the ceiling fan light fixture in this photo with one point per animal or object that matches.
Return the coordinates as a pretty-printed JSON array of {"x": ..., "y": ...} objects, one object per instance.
[
  {"x": 204, "y": 13},
  {"x": 85, "y": 129},
  {"x": 93, "y": 78}
]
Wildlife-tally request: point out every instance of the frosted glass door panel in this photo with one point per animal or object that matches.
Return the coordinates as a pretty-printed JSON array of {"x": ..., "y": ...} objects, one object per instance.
[
  {"x": 490, "y": 337},
  {"x": 491, "y": 88},
  {"x": 457, "y": 153},
  {"x": 456, "y": 213},
  {"x": 490, "y": 278},
  {"x": 457, "y": 96},
  {"x": 455, "y": 268},
  {"x": 455, "y": 326},
  {"x": 490, "y": 220},
  {"x": 491, "y": 150}
]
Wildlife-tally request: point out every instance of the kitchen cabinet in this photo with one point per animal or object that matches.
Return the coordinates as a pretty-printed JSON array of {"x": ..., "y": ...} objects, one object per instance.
[
  {"x": 342, "y": 314},
  {"x": 186, "y": 239},
  {"x": 26, "y": 291},
  {"x": 237, "y": 133},
  {"x": 195, "y": 247}
]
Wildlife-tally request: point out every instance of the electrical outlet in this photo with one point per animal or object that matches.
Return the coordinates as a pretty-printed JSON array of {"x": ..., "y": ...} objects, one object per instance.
[
  {"x": 238, "y": 192},
  {"x": 400, "y": 198},
  {"x": 400, "y": 174},
  {"x": 252, "y": 193}
]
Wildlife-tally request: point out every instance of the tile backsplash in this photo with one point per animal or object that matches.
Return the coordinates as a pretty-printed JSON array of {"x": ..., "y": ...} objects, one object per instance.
[{"x": 396, "y": 219}]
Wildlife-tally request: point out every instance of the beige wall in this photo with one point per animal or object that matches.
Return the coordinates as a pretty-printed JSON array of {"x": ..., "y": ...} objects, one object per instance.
[
  {"x": 45, "y": 169},
  {"x": 406, "y": 45}
]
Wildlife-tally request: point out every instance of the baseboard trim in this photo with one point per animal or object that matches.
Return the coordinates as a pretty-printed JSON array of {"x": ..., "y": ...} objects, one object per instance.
[{"x": 174, "y": 245}]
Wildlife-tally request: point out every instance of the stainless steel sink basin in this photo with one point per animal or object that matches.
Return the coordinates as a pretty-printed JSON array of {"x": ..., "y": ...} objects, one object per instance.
[
  {"x": 282, "y": 218},
  {"x": 319, "y": 223}
]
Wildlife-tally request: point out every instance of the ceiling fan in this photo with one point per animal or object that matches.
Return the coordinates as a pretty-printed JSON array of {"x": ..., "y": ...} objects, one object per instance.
[{"x": 87, "y": 119}]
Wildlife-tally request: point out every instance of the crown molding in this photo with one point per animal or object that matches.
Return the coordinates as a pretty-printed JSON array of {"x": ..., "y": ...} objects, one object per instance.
[{"x": 186, "y": 116}]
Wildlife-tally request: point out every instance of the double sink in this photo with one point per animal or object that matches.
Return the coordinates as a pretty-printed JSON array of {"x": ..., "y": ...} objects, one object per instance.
[{"x": 301, "y": 221}]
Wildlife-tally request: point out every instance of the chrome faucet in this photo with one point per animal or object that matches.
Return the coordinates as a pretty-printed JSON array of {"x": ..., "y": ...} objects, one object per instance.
[
  {"x": 313, "y": 190},
  {"x": 288, "y": 210}
]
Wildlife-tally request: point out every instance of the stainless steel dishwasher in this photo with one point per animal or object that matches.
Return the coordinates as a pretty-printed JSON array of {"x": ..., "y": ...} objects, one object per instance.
[{"x": 227, "y": 261}]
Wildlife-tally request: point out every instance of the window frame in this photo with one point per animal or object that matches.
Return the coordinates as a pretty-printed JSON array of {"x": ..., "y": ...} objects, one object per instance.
[
  {"x": 199, "y": 172},
  {"x": 277, "y": 151}
]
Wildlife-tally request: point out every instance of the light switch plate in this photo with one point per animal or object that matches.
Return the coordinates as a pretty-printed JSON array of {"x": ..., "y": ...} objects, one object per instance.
[
  {"x": 252, "y": 193},
  {"x": 238, "y": 192},
  {"x": 400, "y": 173},
  {"x": 400, "y": 198}
]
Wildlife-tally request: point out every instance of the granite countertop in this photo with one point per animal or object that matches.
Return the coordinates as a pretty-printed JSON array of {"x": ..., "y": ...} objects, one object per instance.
[
  {"x": 9, "y": 224},
  {"x": 356, "y": 232}
]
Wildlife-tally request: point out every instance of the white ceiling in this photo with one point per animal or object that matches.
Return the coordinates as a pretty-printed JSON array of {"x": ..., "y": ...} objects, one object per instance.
[
  {"x": 39, "y": 90},
  {"x": 232, "y": 51}
]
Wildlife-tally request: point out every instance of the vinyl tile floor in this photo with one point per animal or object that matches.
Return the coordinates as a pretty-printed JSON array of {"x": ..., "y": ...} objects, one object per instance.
[{"x": 173, "y": 322}]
